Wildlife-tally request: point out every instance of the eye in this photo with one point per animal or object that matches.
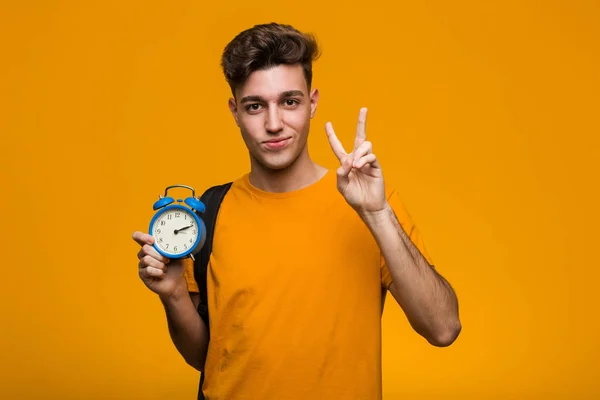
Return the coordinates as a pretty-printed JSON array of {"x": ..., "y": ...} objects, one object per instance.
[
  {"x": 291, "y": 102},
  {"x": 253, "y": 107}
]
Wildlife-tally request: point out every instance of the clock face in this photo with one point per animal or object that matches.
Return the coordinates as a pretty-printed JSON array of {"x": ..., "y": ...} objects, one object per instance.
[{"x": 175, "y": 231}]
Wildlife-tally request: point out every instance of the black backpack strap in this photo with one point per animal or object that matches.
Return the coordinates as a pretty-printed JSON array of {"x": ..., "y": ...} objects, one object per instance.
[{"x": 212, "y": 199}]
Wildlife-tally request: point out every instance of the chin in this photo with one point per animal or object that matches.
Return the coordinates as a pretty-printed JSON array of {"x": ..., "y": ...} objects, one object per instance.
[
  {"x": 275, "y": 165},
  {"x": 277, "y": 162}
]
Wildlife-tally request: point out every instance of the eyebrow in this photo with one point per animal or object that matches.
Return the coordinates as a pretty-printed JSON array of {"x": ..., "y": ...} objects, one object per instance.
[{"x": 288, "y": 93}]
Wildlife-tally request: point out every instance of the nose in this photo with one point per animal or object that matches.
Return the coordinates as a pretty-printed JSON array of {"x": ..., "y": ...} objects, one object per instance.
[{"x": 274, "y": 122}]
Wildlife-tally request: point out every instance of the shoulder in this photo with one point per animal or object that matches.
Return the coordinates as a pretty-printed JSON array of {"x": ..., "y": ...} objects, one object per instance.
[
  {"x": 220, "y": 190},
  {"x": 396, "y": 202},
  {"x": 408, "y": 224},
  {"x": 392, "y": 195}
]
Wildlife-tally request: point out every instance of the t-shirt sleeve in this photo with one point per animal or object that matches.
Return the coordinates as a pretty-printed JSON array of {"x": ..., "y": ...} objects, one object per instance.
[
  {"x": 189, "y": 275},
  {"x": 411, "y": 231}
]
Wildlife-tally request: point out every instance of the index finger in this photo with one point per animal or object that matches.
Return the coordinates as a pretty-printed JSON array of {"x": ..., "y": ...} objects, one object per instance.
[
  {"x": 151, "y": 251},
  {"x": 336, "y": 145},
  {"x": 361, "y": 128},
  {"x": 143, "y": 238}
]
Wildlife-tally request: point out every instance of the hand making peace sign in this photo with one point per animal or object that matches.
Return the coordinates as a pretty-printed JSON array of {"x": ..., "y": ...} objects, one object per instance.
[{"x": 359, "y": 178}]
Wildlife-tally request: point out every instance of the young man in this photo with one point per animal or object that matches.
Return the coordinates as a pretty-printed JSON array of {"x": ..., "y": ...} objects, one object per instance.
[{"x": 302, "y": 256}]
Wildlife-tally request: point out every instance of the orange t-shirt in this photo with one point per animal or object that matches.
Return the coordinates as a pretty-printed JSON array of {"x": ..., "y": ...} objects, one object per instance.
[{"x": 295, "y": 283}]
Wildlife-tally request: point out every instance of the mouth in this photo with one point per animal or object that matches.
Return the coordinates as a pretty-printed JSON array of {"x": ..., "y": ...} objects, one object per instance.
[{"x": 277, "y": 143}]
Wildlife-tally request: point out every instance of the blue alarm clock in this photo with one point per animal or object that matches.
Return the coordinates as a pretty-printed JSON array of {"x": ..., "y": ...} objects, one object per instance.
[{"x": 177, "y": 229}]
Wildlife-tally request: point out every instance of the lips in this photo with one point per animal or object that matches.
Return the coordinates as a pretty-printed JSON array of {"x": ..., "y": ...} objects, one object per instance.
[
  {"x": 277, "y": 143},
  {"x": 276, "y": 140}
]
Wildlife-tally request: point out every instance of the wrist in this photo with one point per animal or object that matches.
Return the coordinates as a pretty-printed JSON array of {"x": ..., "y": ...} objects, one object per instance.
[
  {"x": 377, "y": 217},
  {"x": 179, "y": 293}
]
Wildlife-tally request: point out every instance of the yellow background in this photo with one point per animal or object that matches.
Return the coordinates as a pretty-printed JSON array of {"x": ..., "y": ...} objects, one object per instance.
[{"x": 485, "y": 114}]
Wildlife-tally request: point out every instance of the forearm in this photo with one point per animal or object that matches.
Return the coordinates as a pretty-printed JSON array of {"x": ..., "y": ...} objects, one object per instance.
[
  {"x": 426, "y": 298},
  {"x": 188, "y": 331}
]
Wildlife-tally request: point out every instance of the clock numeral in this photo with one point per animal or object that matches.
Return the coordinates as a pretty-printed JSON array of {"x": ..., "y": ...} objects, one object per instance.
[
  {"x": 162, "y": 223},
  {"x": 194, "y": 231},
  {"x": 170, "y": 216},
  {"x": 167, "y": 246},
  {"x": 158, "y": 230},
  {"x": 175, "y": 248},
  {"x": 185, "y": 246},
  {"x": 185, "y": 216},
  {"x": 160, "y": 240},
  {"x": 191, "y": 240},
  {"x": 177, "y": 214},
  {"x": 192, "y": 223}
]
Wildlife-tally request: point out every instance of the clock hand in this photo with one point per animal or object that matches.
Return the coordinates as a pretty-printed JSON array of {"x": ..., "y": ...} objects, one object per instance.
[{"x": 179, "y": 230}]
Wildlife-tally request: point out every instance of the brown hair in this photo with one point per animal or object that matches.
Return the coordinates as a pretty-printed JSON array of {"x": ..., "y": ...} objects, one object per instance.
[{"x": 265, "y": 46}]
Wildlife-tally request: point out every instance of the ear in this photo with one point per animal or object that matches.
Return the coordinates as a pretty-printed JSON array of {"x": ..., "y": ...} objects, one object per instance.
[
  {"x": 314, "y": 100},
  {"x": 233, "y": 109}
]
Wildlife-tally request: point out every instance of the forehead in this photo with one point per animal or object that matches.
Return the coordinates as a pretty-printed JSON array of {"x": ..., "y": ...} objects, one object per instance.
[{"x": 269, "y": 83}]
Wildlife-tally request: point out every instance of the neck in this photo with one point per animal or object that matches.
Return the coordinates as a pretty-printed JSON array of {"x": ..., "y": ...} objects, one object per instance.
[{"x": 301, "y": 173}]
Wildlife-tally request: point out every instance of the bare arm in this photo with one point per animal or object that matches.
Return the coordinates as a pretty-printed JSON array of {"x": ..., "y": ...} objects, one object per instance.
[
  {"x": 166, "y": 278},
  {"x": 426, "y": 298},
  {"x": 188, "y": 332}
]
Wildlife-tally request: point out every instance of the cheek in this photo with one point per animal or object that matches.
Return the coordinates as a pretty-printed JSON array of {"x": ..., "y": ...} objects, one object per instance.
[
  {"x": 299, "y": 120},
  {"x": 251, "y": 126}
]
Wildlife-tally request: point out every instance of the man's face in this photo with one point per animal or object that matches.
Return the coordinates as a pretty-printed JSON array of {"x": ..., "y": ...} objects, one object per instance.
[{"x": 273, "y": 110}]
